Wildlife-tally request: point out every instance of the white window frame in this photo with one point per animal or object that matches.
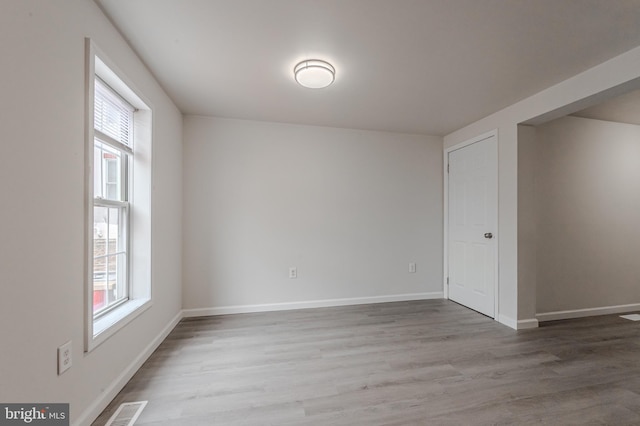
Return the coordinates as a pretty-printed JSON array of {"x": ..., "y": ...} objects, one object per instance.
[
  {"x": 125, "y": 153},
  {"x": 135, "y": 206}
]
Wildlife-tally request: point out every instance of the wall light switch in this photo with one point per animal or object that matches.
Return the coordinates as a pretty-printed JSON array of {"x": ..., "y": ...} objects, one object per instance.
[
  {"x": 64, "y": 357},
  {"x": 412, "y": 268}
]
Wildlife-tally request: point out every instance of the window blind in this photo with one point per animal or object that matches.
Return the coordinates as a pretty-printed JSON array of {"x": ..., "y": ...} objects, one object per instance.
[{"x": 112, "y": 115}]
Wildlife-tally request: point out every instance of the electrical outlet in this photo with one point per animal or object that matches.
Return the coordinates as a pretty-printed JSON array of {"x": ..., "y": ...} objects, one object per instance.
[
  {"x": 293, "y": 273},
  {"x": 64, "y": 357},
  {"x": 412, "y": 268}
]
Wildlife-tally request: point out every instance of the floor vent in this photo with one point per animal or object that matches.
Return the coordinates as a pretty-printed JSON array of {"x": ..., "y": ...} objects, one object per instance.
[
  {"x": 632, "y": 317},
  {"x": 127, "y": 414}
]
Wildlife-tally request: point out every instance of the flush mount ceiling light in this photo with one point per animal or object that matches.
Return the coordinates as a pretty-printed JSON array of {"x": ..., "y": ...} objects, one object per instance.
[{"x": 314, "y": 73}]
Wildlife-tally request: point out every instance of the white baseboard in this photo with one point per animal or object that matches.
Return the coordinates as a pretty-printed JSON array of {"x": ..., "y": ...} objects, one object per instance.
[
  {"x": 589, "y": 312},
  {"x": 527, "y": 324},
  {"x": 243, "y": 309},
  {"x": 94, "y": 410},
  {"x": 519, "y": 324}
]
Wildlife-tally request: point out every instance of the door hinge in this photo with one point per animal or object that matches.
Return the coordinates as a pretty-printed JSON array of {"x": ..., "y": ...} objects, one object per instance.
[
  {"x": 448, "y": 167},
  {"x": 447, "y": 280}
]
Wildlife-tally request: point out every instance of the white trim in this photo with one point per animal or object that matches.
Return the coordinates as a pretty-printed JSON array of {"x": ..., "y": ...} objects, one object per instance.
[
  {"x": 588, "y": 312},
  {"x": 445, "y": 257},
  {"x": 519, "y": 324},
  {"x": 509, "y": 322},
  {"x": 97, "y": 407},
  {"x": 527, "y": 324},
  {"x": 108, "y": 324},
  {"x": 445, "y": 242},
  {"x": 269, "y": 307},
  {"x": 471, "y": 141},
  {"x": 90, "y": 54}
]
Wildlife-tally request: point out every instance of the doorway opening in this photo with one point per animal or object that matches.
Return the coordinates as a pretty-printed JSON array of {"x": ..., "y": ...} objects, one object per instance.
[{"x": 578, "y": 204}]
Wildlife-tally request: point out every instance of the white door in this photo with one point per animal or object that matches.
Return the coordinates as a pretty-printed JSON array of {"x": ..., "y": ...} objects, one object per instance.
[{"x": 472, "y": 222}]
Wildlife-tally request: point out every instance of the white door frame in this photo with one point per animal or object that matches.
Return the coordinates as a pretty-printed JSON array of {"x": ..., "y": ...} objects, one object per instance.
[{"x": 445, "y": 285}]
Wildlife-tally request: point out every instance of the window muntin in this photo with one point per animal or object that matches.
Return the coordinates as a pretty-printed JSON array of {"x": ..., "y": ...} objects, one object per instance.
[{"x": 113, "y": 119}]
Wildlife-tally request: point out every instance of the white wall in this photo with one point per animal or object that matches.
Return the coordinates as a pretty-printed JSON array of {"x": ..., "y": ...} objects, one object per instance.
[
  {"x": 615, "y": 76},
  {"x": 42, "y": 63},
  {"x": 527, "y": 221},
  {"x": 349, "y": 208},
  {"x": 588, "y": 210}
]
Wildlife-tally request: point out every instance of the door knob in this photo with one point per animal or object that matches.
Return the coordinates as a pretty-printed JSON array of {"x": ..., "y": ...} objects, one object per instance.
[{"x": 488, "y": 235}]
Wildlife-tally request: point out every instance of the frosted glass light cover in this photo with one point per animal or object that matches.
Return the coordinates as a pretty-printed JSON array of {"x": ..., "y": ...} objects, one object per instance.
[{"x": 314, "y": 73}]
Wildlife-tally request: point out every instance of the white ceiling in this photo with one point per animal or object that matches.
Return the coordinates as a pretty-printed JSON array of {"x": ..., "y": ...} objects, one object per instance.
[{"x": 414, "y": 66}]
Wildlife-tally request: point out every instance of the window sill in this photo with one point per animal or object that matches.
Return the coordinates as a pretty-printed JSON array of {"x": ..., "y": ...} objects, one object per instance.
[{"x": 107, "y": 325}]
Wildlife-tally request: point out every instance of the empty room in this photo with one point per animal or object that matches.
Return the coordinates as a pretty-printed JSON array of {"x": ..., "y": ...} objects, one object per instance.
[{"x": 304, "y": 212}]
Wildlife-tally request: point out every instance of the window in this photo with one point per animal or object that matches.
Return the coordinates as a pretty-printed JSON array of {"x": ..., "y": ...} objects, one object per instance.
[
  {"x": 119, "y": 201},
  {"x": 112, "y": 157}
]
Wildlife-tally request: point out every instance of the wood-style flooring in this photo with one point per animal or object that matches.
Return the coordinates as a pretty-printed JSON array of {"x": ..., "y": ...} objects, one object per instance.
[{"x": 409, "y": 363}]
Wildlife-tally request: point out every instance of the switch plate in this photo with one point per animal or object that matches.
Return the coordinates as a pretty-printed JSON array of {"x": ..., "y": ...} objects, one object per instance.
[
  {"x": 412, "y": 268},
  {"x": 64, "y": 357},
  {"x": 293, "y": 273}
]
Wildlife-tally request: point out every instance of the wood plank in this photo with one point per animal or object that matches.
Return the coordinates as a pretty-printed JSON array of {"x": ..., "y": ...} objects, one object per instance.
[{"x": 419, "y": 362}]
